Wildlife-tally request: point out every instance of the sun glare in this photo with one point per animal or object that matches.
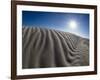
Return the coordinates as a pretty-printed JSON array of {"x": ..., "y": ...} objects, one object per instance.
[{"x": 73, "y": 24}]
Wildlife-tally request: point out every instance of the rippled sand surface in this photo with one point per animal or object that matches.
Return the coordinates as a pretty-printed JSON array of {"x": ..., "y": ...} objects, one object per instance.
[{"x": 43, "y": 48}]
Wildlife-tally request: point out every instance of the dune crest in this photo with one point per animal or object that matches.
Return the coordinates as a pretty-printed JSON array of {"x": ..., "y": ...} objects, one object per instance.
[{"x": 43, "y": 48}]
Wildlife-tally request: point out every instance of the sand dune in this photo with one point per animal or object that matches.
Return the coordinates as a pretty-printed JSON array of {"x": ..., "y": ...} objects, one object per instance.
[{"x": 50, "y": 48}]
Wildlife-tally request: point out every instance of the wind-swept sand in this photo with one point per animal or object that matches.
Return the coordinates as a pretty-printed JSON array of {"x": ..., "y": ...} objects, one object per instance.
[{"x": 50, "y": 48}]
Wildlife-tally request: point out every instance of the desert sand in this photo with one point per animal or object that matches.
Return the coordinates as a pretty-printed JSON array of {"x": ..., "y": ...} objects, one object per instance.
[{"x": 42, "y": 48}]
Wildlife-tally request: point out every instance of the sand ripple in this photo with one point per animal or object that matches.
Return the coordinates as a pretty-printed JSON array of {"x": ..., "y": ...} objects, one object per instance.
[{"x": 50, "y": 48}]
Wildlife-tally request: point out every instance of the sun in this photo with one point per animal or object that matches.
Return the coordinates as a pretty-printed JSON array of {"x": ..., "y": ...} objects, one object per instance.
[{"x": 73, "y": 24}]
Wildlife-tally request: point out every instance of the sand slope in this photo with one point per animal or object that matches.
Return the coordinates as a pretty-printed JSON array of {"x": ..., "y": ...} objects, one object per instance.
[{"x": 50, "y": 48}]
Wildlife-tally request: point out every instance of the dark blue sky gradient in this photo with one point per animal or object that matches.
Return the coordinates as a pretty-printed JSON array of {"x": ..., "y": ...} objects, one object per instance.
[{"x": 57, "y": 20}]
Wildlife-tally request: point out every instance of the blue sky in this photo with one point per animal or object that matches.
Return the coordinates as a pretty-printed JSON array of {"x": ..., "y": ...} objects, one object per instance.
[{"x": 58, "y": 21}]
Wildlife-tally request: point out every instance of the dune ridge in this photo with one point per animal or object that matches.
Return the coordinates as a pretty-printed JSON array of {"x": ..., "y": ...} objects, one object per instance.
[{"x": 51, "y": 48}]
